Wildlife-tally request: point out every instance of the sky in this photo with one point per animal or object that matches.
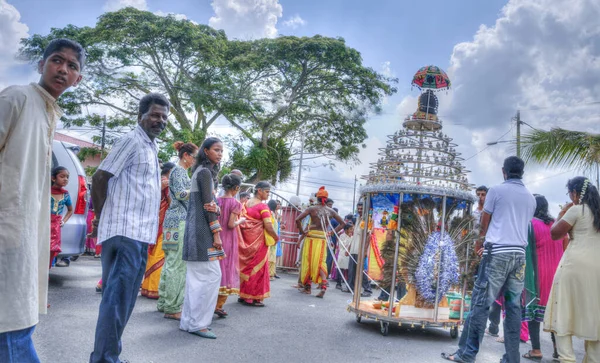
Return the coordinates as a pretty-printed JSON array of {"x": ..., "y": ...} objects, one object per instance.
[{"x": 541, "y": 57}]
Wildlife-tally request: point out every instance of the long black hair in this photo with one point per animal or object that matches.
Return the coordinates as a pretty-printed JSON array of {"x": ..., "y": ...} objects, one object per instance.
[
  {"x": 541, "y": 209},
  {"x": 582, "y": 185},
  {"x": 202, "y": 159}
]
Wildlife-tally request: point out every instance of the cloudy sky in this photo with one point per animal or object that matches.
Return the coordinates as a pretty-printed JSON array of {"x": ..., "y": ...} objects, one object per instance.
[{"x": 537, "y": 56}]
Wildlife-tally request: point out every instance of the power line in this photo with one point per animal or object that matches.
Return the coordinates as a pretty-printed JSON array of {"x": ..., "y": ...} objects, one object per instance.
[
  {"x": 485, "y": 148},
  {"x": 328, "y": 180}
]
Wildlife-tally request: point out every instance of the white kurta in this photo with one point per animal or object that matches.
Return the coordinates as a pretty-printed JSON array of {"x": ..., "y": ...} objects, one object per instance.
[{"x": 28, "y": 116}]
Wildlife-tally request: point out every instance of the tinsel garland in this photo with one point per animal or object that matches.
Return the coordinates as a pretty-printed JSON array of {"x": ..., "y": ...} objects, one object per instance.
[
  {"x": 425, "y": 275},
  {"x": 463, "y": 195}
]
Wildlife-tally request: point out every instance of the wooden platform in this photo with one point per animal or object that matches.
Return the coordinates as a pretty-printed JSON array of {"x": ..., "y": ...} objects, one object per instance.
[{"x": 367, "y": 310}]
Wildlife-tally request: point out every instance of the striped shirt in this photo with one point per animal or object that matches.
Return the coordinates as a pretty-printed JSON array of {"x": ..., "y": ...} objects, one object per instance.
[{"x": 133, "y": 198}]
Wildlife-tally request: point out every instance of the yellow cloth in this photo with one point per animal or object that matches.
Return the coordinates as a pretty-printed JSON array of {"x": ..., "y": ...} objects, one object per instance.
[
  {"x": 314, "y": 254},
  {"x": 156, "y": 260},
  {"x": 269, "y": 240}
]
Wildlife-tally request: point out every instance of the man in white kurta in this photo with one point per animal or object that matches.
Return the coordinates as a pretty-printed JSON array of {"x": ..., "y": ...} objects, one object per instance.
[{"x": 28, "y": 117}]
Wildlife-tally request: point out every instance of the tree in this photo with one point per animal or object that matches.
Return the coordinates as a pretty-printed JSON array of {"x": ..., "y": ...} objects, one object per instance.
[
  {"x": 133, "y": 52},
  {"x": 313, "y": 87},
  {"x": 562, "y": 148}
]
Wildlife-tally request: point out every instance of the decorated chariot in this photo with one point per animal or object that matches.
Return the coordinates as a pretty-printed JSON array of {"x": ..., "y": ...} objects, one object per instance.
[{"x": 419, "y": 189}]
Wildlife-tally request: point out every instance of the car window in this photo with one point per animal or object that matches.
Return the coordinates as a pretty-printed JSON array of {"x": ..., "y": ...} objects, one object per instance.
[{"x": 54, "y": 160}]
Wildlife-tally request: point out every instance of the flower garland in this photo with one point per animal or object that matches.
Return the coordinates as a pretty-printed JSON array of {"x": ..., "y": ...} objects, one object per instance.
[{"x": 426, "y": 273}]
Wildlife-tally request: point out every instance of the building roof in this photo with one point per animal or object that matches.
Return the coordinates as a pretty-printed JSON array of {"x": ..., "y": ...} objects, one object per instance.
[{"x": 73, "y": 140}]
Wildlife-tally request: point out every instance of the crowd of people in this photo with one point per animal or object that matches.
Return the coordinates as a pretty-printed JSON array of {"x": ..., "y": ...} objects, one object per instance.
[
  {"x": 535, "y": 268},
  {"x": 175, "y": 238}
]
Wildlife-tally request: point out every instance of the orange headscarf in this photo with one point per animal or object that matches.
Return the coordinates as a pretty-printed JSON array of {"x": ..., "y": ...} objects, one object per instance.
[{"x": 322, "y": 195}]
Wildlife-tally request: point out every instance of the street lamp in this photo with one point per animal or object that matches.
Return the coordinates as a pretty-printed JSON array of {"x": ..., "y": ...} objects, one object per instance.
[{"x": 498, "y": 142}]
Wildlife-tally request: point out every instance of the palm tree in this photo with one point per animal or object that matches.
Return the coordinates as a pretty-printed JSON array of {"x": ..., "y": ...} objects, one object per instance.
[{"x": 562, "y": 148}]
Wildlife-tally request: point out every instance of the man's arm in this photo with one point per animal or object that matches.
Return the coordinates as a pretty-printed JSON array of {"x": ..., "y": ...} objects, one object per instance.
[
  {"x": 99, "y": 195},
  {"x": 10, "y": 109},
  {"x": 485, "y": 223},
  {"x": 300, "y": 218}
]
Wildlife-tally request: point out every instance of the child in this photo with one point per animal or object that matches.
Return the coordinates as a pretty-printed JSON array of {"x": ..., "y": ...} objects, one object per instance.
[
  {"x": 273, "y": 206},
  {"x": 229, "y": 220},
  {"x": 59, "y": 199},
  {"x": 343, "y": 255}
]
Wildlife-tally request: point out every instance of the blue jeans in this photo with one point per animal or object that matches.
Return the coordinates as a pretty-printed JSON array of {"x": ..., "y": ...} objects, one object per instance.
[
  {"x": 17, "y": 347},
  {"x": 123, "y": 267},
  {"x": 500, "y": 272}
]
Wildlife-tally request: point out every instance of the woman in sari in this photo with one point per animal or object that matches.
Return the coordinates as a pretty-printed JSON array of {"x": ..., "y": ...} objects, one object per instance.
[
  {"x": 172, "y": 278},
  {"x": 202, "y": 246},
  {"x": 253, "y": 249},
  {"x": 156, "y": 255},
  {"x": 543, "y": 256}
]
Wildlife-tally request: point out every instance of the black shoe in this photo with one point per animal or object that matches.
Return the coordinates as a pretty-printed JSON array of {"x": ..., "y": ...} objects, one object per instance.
[
  {"x": 277, "y": 276},
  {"x": 365, "y": 294},
  {"x": 338, "y": 286}
]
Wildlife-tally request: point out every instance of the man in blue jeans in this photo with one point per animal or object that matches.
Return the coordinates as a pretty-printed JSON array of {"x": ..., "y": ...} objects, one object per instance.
[
  {"x": 507, "y": 212},
  {"x": 126, "y": 197}
]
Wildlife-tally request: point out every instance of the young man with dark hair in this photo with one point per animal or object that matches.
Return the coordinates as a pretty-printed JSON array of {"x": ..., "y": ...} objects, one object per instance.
[
  {"x": 28, "y": 117},
  {"x": 507, "y": 212},
  {"x": 126, "y": 197}
]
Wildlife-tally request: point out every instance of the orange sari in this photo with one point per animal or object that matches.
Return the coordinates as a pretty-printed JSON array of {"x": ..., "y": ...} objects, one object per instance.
[
  {"x": 156, "y": 255},
  {"x": 254, "y": 253}
]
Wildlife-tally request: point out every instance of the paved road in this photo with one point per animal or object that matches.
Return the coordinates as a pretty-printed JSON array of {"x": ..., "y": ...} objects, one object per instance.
[{"x": 292, "y": 328}]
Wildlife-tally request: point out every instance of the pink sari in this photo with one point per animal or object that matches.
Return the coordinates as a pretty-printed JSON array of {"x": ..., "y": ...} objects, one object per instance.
[{"x": 254, "y": 269}]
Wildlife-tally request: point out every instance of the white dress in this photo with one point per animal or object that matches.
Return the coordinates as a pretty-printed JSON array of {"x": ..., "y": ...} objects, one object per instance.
[
  {"x": 344, "y": 260},
  {"x": 574, "y": 304}
]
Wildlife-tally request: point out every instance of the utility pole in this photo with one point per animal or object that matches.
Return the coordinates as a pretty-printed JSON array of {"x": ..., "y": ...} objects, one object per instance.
[
  {"x": 300, "y": 167},
  {"x": 354, "y": 194},
  {"x": 518, "y": 133},
  {"x": 102, "y": 143}
]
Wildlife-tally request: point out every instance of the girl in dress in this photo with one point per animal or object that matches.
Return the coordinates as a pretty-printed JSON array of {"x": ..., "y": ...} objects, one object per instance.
[
  {"x": 229, "y": 219},
  {"x": 59, "y": 199}
]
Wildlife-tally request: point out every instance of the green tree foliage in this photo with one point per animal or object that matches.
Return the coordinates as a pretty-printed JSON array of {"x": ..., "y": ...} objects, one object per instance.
[
  {"x": 314, "y": 87},
  {"x": 272, "y": 90},
  {"x": 562, "y": 148}
]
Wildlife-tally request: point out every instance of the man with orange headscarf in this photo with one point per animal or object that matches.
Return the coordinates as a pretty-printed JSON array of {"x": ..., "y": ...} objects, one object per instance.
[{"x": 314, "y": 252}]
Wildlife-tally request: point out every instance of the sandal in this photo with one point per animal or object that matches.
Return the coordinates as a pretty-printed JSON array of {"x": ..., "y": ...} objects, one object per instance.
[
  {"x": 258, "y": 304},
  {"x": 221, "y": 313},
  {"x": 536, "y": 358},
  {"x": 453, "y": 357},
  {"x": 321, "y": 294},
  {"x": 204, "y": 334},
  {"x": 487, "y": 331}
]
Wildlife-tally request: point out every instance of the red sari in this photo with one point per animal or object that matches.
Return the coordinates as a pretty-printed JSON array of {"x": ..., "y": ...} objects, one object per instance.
[{"x": 254, "y": 254}]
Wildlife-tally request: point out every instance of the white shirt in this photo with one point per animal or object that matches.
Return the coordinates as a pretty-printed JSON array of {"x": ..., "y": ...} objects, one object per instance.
[
  {"x": 28, "y": 116},
  {"x": 512, "y": 207},
  {"x": 356, "y": 238},
  {"x": 133, "y": 200}
]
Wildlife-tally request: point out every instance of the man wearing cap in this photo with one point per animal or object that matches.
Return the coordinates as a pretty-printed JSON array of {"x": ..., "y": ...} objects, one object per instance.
[{"x": 314, "y": 268}]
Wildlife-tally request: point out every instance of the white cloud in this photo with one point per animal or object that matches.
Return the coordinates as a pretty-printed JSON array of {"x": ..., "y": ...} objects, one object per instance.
[
  {"x": 175, "y": 15},
  {"x": 541, "y": 56},
  {"x": 386, "y": 69},
  {"x": 247, "y": 19},
  {"x": 11, "y": 32},
  {"x": 114, "y": 5},
  {"x": 294, "y": 22}
]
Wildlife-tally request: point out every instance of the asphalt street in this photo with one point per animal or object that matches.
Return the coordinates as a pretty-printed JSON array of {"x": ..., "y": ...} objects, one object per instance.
[{"x": 292, "y": 328}]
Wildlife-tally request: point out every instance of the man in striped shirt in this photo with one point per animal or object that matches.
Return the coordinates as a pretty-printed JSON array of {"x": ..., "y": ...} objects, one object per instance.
[
  {"x": 126, "y": 197},
  {"x": 507, "y": 212}
]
